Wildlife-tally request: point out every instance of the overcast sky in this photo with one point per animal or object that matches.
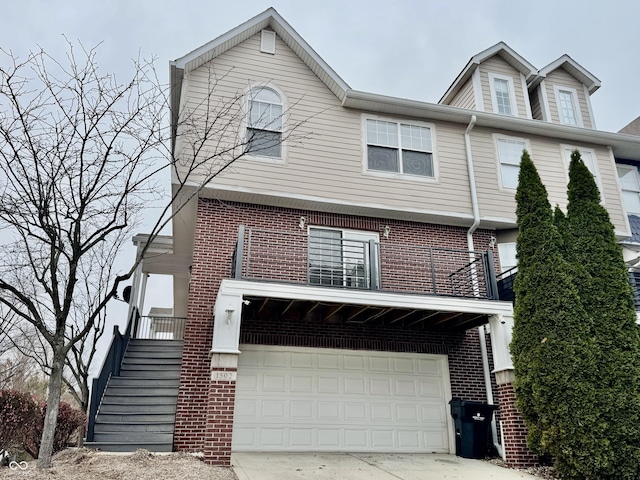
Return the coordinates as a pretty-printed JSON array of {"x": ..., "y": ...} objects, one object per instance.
[{"x": 405, "y": 48}]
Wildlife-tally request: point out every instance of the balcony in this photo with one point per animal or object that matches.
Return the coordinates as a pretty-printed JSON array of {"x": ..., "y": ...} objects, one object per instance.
[
  {"x": 315, "y": 260},
  {"x": 335, "y": 276}
]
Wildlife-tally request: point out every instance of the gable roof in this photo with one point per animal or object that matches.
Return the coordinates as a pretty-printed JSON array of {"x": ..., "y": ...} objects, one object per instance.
[
  {"x": 501, "y": 49},
  {"x": 576, "y": 70},
  {"x": 270, "y": 18},
  {"x": 632, "y": 128}
]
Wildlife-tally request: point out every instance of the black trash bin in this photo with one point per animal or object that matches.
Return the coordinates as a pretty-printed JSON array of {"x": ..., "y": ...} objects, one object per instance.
[{"x": 472, "y": 420}]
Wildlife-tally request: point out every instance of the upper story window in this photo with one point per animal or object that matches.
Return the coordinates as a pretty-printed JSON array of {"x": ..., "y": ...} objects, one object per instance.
[
  {"x": 399, "y": 148},
  {"x": 630, "y": 185},
  {"x": 264, "y": 125},
  {"x": 503, "y": 94},
  {"x": 589, "y": 159},
  {"x": 567, "y": 102},
  {"x": 509, "y": 154}
]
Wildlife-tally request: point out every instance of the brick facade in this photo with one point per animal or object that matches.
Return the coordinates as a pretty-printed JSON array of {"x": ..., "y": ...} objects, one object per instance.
[
  {"x": 204, "y": 416},
  {"x": 514, "y": 432}
]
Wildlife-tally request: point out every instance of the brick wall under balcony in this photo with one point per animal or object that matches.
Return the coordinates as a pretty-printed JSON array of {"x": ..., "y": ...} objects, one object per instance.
[{"x": 214, "y": 242}]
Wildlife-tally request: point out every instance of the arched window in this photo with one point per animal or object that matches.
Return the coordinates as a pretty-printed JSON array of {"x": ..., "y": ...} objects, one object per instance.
[{"x": 264, "y": 130}]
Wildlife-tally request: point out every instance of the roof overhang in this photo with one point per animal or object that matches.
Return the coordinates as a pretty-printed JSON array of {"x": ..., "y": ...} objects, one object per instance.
[
  {"x": 576, "y": 70},
  {"x": 624, "y": 146}
]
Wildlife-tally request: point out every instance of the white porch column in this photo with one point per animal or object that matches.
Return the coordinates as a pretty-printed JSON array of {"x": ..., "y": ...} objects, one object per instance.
[
  {"x": 501, "y": 332},
  {"x": 226, "y": 326}
]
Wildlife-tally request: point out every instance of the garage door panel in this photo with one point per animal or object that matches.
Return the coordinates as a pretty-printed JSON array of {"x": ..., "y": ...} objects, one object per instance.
[
  {"x": 406, "y": 388},
  {"x": 329, "y": 411},
  {"x": 355, "y": 411},
  {"x": 303, "y": 399},
  {"x": 355, "y": 386},
  {"x": 301, "y": 360},
  {"x": 276, "y": 359},
  {"x": 302, "y": 383},
  {"x": 352, "y": 362},
  {"x": 301, "y": 438},
  {"x": 274, "y": 383},
  {"x": 302, "y": 410},
  {"x": 432, "y": 388},
  {"x": 329, "y": 384},
  {"x": 379, "y": 364},
  {"x": 380, "y": 386}
]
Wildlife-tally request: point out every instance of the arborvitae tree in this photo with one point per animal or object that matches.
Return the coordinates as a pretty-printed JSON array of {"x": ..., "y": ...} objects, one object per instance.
[
  {"x": 551, "y": 349},
  {"x": 606, "y": 295}
]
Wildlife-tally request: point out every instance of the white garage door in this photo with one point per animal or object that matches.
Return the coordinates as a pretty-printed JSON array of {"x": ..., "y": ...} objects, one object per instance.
[{"x": 309, "y": 399}]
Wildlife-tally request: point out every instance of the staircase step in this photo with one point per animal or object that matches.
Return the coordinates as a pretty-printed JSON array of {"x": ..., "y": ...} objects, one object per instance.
[
  {"x": 134, "y": 437},
  {"x": 143, "y": 382},
  {"x": 168, "y": 408},
  {"x": 154, "y": 354},
  {"x": 142, "y": 390},
  {"x": 150, "y": 374},
  {"x": 148, "y": 360},
  {"x": 131, "y": 418},
  {"x": 129, "y": 447},
  {"x": 110, "y": 399},
  {"x": 155, "y": 364},
  {"x": 159, "y": 427}
]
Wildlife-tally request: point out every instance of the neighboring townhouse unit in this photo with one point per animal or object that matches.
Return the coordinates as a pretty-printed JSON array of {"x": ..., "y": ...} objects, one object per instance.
[{"x": 349, "y": 275}]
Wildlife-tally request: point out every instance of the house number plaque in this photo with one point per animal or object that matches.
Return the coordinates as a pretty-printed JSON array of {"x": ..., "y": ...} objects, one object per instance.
[{"x": 228, "y": 376}]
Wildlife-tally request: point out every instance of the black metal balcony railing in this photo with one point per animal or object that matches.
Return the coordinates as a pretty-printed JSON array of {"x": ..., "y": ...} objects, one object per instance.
[{"x": 332, "y": 261}]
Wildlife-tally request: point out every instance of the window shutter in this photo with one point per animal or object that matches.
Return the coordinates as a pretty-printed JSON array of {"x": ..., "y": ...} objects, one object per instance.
[{"x": 268, "y": 42}]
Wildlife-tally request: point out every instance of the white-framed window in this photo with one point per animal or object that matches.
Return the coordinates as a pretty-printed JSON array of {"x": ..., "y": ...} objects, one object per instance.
[
  {"x": 509, "y": 150},
  {"x": 399, "y": 147},
  {"x": 630, "y": 185},
  {"x": 568, "y": 107},
  {"x": 264, "y": 123},
  {"x": 507, "y": 253},
  {"x": 503, "y": 94},
  {"x": 342, "y": 257},
  {"x": 588, "y": 157}
]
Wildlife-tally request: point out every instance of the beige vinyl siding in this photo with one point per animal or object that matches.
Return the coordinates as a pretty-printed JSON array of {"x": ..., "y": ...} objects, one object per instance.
[
  {"x": 465, "y": 97},
  {"x": 562, "y": 78},
  {"x": 536, "y": 106},
  {"x": 499, "y": 66},
  {"x": 496, "y": 202},
  {"x": 329, "y": 161}
]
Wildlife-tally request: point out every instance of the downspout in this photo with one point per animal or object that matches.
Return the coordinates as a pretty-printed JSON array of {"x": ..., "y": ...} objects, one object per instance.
[
  {"x": 487, "y": 385},
  {"x": 472, "y": 228},
  {"x": 472, "y": 184}
]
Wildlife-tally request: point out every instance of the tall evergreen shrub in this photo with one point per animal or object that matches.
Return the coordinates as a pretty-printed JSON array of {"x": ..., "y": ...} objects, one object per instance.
[
  {"x": 551, "y": 347},
  {"x": 606, "y": 295}
]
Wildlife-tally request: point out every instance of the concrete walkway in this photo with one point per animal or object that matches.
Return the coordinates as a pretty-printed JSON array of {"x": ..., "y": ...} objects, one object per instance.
[{"x": 363, "y": 466}]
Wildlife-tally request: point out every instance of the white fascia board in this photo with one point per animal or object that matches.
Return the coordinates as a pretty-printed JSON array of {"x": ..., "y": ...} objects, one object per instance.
[
  {"x": 576, "y": 70},
  {"x": 378, "y": 298},
  {"x": 625, "y": 146}
]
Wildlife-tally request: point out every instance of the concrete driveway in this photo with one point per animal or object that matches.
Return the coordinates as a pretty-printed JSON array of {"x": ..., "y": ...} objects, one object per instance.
[{"x": 349, "y": 466}]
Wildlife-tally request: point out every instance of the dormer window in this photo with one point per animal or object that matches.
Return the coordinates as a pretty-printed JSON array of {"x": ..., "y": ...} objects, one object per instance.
[
  {"x": 567, "y": 102},
  {"x": 264, "y": 130},
  {"x": 503, "y": 95}
]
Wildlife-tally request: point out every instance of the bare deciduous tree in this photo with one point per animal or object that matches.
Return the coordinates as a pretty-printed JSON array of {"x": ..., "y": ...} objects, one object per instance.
[{"x": 79, "y": 158}]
